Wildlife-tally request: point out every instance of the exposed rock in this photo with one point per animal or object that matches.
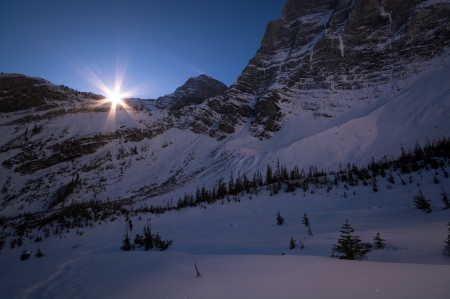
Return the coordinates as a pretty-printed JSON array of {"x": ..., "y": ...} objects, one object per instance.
[{"x": 19, "y": 92}]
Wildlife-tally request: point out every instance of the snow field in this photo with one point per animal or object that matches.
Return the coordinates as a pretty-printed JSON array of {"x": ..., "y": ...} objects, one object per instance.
[{"x": 238, "y": 245}]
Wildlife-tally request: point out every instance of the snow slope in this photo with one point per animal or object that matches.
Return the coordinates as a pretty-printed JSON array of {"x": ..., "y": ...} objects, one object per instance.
[{"x": 237, "y": 247}]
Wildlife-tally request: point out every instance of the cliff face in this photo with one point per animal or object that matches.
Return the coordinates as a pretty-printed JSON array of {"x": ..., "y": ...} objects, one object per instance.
[{"x": 326, "y": 57}]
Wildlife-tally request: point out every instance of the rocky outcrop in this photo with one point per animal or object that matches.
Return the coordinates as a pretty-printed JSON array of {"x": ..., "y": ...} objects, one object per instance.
[
  {"x": 19, "y": 92},
  {"x": 318, "y": 53},
  {"x": 195, "y": 91}
]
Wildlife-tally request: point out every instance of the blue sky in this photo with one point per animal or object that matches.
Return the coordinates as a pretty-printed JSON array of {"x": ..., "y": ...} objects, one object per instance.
[{"x": 155, "y": 46}]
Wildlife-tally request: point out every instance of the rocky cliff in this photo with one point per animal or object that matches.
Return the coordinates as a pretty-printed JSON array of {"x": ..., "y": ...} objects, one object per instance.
[{"x": 325, "y": 57}]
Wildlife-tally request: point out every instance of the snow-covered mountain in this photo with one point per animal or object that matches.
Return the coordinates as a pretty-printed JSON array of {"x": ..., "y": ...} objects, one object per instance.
[
  {"x": 334, "y": 85},
  {"x": 333, "y": 82},
  {"x": 326, "y": 57}
]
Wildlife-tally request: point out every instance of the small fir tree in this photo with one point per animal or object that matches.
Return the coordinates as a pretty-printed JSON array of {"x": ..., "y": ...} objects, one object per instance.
[
  {"x": 25, "y": 255},
  {"x": 379, "y": 242},
  {"x": 157, "y": 240},
  {"x": 445, "y": 198},
  {"x": 280, "y": 220},
  {"x": 307, "y": 224},
  {"x": 349, "y": 247},
  {"x": 292, "y": 243},
  {"x": 148, "y": 237},
  {"x": 138, "y": 240},
  {"x": 448, "y": 238},
  {"x": 126, "y": 245},
  {"x": 39, "y": 253},
  {"x": 421, "y": 203}
]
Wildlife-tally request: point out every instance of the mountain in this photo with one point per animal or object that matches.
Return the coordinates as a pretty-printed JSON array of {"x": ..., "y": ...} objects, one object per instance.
[
  {"x": 342, "y": 115},
  {"x": 195, "y": 91},
  {"x": 333, "y": 82},
  {"x": 326, "y": 57}
]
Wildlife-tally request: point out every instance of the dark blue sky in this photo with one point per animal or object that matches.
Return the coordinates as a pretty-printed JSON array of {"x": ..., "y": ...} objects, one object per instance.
[{"x": 157, "y": 45}]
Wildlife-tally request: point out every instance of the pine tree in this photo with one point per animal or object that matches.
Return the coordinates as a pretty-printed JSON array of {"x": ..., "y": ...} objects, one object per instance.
[
  {"x": 157, "y": 240},
  {"x": 126, "y": 245},
  {"x": 421, "y": 203},
  {"x": 138, "y": 240},
  {"x": 292, "y": 243},
  {"x": 39, "y": 253},
  {"x": 280, "y": 220},
  {"x": 349, "y": 247},
  {"x": 306, "y": 222},
  {"x": 445, "y": 198},
  {"x": 379, "y": 241},
  {"x": 25, "y": 255},
  {"x": 148, "y": 238}
]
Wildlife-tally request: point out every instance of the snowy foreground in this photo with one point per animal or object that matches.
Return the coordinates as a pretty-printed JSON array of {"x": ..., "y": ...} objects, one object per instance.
[{"x": 238, "y": 249}]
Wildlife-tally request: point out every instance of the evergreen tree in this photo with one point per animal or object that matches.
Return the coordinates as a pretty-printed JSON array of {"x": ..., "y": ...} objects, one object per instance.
[
  {"x": 138, "y": 240},
  {"x": 448, "y": 240},
  {"x": 280, "y": 220},
  {"x": 421, "y": 203},
  {"x": 445, "y": 198},
  {"x": 25, "y": 255},
  {"x": 148, "y": 238},
  {"x": 39, "y": 253},
  {"x": 349, "y": 247},
  {"x": 126, "y": 245},
  {"x": 157, "y": 240},
  {"x": 379, "y": 241},
  {"x": 306, "y": 222},
  {"x": 268, "y": 175},
  {"x": 292, "y": 243}
]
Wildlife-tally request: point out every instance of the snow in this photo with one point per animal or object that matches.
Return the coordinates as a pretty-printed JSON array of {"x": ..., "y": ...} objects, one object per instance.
[{"x": 237, "y": 248}]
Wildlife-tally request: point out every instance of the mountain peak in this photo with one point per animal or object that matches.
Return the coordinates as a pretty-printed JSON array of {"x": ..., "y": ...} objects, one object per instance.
[{"x": 193, "y": 92}]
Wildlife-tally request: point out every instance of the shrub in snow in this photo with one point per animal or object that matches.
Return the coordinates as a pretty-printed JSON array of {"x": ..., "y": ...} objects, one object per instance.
[
  {"x": 280, "y": 220},
  {"x": 196, "y": 270},
  {"x": 349, "y": 247}
]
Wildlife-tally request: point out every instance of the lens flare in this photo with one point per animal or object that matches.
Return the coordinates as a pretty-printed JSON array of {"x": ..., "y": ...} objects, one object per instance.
[{"x": 116, "y": 98}]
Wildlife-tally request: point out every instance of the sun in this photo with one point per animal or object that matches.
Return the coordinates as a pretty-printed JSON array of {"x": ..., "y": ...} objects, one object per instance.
[{"x": 115, "y": 98}]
